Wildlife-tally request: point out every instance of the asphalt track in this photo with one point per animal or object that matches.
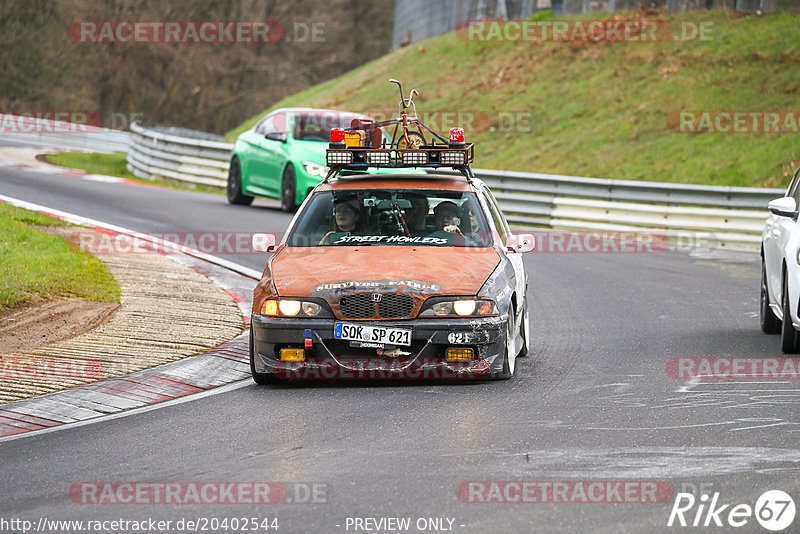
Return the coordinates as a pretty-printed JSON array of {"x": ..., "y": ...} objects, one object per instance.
[{"x": 592, "y": 402}]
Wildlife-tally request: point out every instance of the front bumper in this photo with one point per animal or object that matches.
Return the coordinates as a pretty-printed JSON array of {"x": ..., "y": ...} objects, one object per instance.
[{"x": 329, "y": 358}]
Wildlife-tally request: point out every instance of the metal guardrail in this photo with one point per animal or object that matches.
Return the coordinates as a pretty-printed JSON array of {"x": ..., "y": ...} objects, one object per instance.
[
  {"x": 629, "y": 190},
  {"x": 732, "y": 216},
  {"x": 723, "y": 215},
  {"x": 33, "y": 131},
  {"x": 159, "y": 153}
]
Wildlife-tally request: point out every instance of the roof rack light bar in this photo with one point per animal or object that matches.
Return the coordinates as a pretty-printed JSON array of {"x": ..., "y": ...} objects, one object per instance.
[{"x": 426, "y": 157}]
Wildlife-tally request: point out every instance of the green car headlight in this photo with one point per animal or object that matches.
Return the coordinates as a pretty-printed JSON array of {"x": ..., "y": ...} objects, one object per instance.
[{"x": 315, "y": 169}]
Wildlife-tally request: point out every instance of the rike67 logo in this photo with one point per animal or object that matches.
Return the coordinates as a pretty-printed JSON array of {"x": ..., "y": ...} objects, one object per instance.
[{"x": 774, "y": 510}]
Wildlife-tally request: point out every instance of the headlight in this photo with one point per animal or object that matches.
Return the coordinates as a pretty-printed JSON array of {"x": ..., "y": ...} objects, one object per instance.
[
  {"x": 464, "y": 307},
  {"x": 315, "y": 169},
  {"x": 459, "y": 307},
  {"x": 311, "y": 308},
  {"x": 291, "y": 308}
]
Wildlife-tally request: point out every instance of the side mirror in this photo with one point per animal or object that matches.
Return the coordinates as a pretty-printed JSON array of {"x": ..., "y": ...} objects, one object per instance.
[
  {"x": 521, "y": 243},
  {"x": 277, "y": 136},
  {"x": 264, "y": 242},
  {"x": 784, "y": 207}
]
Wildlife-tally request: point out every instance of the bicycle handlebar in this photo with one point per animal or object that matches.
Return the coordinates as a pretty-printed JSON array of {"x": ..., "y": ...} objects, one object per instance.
[{"x": 404, "y": 102}]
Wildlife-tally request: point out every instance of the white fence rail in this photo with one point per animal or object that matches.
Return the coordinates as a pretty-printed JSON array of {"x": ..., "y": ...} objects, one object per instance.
[
  {"x": 731, "y": 216},
  {"x": 156, "y": 154},
  {"x": 34, "y": 131},
  {"x": 727, "y": 216}
]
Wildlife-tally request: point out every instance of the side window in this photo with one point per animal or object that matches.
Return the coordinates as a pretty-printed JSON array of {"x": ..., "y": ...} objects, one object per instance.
[
  {"x": 280, "y": 123},
  {"x": 497, "y": 217},
  {"x": 796, "y": 192},
  {"x": 266, "y": 123},
  {"x": 792, "y": 191},
  {"x": 275, "y": 123}
]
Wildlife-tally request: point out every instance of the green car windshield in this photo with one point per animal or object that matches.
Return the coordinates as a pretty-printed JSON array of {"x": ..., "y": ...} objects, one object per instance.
[
  {"x": 415, "y": 217},
  {"x": 316, "y": 125}
]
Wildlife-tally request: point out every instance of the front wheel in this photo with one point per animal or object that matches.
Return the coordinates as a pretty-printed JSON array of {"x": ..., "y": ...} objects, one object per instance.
[
  {"x": 412, "y": 140},
  {"x": 509, "y": 355},
  {"x": 790, "y": 340},
  {"x": 524, "y": 332},
  {"x": 770, "y": 324},
  {"x": 288, "y": 190},
  {"x": 262, "y": 379},
  {"x": 234, "y": 189}
]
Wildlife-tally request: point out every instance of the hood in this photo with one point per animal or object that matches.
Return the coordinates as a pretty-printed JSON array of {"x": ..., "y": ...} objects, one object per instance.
[
  {"x": 313, "y": 151},
  {"x": 298, "y": 272}
]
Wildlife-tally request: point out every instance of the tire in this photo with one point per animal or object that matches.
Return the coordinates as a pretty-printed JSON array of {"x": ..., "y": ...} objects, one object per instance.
[
  {"x": 262, "y": 379},
  {"x": 770, "y": 324},
  {"x": 288, "y": 190},
  {"x": 508, "y": 366},
  {"x": 790, "y": 340},
  {"x": 415, "y": 141},
  {"x": 234, "y": 189},
  {"x": 524, "y": 330}
]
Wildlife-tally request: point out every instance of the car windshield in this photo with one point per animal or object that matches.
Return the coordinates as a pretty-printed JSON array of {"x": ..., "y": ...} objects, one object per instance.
[
  {"x": 391, "y": 217},
  {"x": 316, "y": 125}
]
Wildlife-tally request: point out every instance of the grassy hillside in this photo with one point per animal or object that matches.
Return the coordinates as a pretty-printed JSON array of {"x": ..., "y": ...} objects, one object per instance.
[{"x": 601, "y": 109}]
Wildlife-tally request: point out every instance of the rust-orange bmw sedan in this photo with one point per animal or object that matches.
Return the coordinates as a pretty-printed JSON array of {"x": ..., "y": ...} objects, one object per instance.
[{"x": 393, "y": 277}]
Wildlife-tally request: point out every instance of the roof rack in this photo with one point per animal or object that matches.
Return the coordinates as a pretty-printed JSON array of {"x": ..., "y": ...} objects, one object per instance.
[
  {"x": 430, "y": 157},
  {"x": 363, "y": 145}
]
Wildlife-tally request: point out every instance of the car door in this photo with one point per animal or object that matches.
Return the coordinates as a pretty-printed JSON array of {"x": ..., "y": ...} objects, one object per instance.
[
  {"x": 266, "y": 167},
  {"x": 504, "y": 232},
  {"x": 777, "y": 233}
]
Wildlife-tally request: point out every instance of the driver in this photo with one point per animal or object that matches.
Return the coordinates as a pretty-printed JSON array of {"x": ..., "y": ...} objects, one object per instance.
[{"x": 347, "y": 215}]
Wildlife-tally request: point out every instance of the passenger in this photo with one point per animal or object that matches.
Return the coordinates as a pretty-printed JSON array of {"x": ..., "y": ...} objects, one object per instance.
[
  {"x": 470, "y": 226},
  {"x": 447, "y": 221},
  {"x": 416, "y": 215},
  {"x": 446, "y": 217},
  {"x": 347, "y": 216}
]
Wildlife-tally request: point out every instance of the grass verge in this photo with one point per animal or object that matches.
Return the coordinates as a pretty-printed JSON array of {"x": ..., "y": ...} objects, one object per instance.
[{"x": 35, "y": 266}]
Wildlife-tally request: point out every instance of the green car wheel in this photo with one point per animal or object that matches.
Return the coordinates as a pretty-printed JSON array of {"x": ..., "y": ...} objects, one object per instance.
[
  {"x": 234, "y": 189},
  {"x": 289, "y": 190}
]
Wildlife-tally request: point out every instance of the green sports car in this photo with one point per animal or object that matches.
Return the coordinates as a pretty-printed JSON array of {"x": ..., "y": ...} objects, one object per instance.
[{"x": 283, "y": 156}]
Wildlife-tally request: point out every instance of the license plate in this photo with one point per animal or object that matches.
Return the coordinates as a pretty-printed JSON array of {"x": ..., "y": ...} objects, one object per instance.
[{"x": 372, "y": 334}]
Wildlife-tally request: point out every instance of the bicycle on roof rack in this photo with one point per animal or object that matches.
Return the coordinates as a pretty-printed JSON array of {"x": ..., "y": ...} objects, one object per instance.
[
  {"x": 362, "y": 145},
  {"x": 409, "y": 138}
]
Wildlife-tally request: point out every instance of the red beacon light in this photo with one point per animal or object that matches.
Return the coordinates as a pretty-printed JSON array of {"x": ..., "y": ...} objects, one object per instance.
[
  {"x": 457, "y": 138},
  {"x": 337, "y": 138}
]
